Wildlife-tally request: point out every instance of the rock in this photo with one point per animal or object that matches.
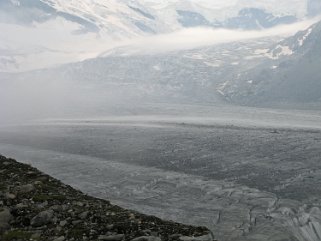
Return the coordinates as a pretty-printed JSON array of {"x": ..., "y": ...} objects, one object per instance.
[
  {"x": 31, "y": 173},
  {"x": 63, "y": 223},
  {"x": 25, "y": 189},
  {"x": 35, "y": 236},
  {"x": 42, "y": 218},
  {"x": 38, "y": 183},
  {"x": 43, "y": 178},
  {"x": 147, "y": 232},
  {"x": 42, "y": 205},
  {"x": 110, "y": 227},
  {"x": 10, "y": 196},
  {"x": 201, "y": 238},
  {"x": 117, "y": 237},
  {"x": 5, "y": 219},
  {"x": 61, "y": 238},
  {"x": 84, "y": 215},
  {"x": 56, "y": 208},
  {"x": 175, "y": 236},
  {"x": 21, "y": 206},
  {"x": 80, "y": 204},
  {"x": 147, "y": 238},
  {"x": 76, "y": 222}
]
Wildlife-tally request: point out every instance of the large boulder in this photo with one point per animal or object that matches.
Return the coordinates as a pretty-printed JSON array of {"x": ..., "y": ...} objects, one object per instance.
[
  {"x": 43, "y": 218},
  {"x": 5, "y": 219}
]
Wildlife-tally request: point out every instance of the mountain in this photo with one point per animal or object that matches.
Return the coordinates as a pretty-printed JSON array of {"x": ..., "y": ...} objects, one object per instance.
[
  {"x": 186, "y": 76},
  {"x": 47, "y": 33},
  {"x": 242, "y": 14},
  {"x": 290, "y": 76},
  {"x": 247, "y": 19},
  {"x": 314, "y": 7},
  {"x": 255, "y": 18},
  {"x": 115, "y": 19}
]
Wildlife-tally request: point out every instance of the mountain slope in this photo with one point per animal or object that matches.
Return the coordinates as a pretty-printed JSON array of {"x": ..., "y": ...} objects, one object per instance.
[
  {"x": 255, "y": 18},
  {"x": 292, "y": 75},
  {"x": 246, "y": 14},
  {"x": 44, "y": 33},
  {"x": 314, "y": 7},
  {"x": 113, "y": 18}
]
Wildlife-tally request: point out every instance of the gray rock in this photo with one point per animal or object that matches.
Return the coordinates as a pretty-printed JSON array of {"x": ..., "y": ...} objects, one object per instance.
[
  {"x": 5, "y": 219},
  {"x": 42, "y": 218},
  {"x": 61, "y": 238},
  {"x": 84, "y": 215},
  {"x": 147, "y": 238},
  {"x": 201, "y": 238},
  {"x": 38, "y": 183},
  {"x": 25, "y": 189},
  {"x": 5, "y": 215},
  {"x": 10, "y": 196},
  {"x": 76, "y": 222},
  {"x": 110, "y": 227},
  {"x": 21, "y": 206},
  {"x": 63, "y": 223},
  {"x": 56, "y": 208},
  {"x": 175, "y": 236},
  {"x": 42, "y": 205},
  {"x": 80, "y": 204},
  {"x": 35, "y": 236},
  {"x": 117, "y": 237}
]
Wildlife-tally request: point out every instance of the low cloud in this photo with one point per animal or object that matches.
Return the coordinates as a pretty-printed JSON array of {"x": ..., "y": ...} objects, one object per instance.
[{"x": 202, "y": 37}]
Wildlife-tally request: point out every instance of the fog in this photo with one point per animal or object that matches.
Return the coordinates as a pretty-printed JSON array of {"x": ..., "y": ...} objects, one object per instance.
[
  {"x": 38, "y": 95},
  {"x": 191, "y": 38},
  {"x": 28, "y": 100}
]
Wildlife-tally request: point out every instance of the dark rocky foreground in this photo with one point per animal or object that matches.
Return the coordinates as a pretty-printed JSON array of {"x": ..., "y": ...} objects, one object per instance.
[{"x": 35, "y": 206}]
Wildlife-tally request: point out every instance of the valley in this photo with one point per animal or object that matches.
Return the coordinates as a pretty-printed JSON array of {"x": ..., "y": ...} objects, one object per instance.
[{"x": 243, "y": 181}]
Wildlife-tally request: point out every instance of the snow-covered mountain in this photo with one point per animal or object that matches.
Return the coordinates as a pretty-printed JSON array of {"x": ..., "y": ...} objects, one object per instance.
[
  {"x": 314, "y": 7},
  {"x": 246, "y": 14},
  {"x": 255, "y": 18},
  {"x": 189, "y": 76},
  {"x": 291, "y": 75},
  {"x": 45, "y": 33},
  {"x": 114, "y": 19}
]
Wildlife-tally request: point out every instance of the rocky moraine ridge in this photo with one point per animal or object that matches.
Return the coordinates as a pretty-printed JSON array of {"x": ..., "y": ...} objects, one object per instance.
[{"x": 35, "y": 206}]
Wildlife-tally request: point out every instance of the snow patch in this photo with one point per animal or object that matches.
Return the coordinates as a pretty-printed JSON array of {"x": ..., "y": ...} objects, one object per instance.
[
  {"x": 279, "y": 51},
  {"x": 302, "y": 40}
]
